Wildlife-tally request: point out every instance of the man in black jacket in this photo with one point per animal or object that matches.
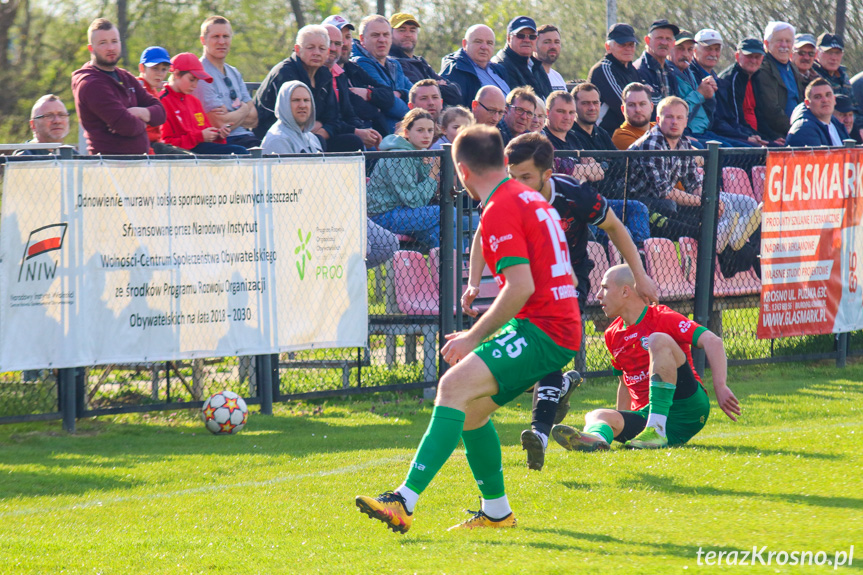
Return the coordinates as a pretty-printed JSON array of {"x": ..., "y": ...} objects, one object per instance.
[
  {"x": 306, "y": 64},
  {"x": 405, "y": 33},
  {"x": 611, "y": 74},
  {"x": 738, "y": 90},
  {"x": 522, "y": 69}
]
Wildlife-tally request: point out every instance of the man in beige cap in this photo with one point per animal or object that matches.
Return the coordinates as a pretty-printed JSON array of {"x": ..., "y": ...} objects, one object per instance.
[{"x": 406, "y": 29}]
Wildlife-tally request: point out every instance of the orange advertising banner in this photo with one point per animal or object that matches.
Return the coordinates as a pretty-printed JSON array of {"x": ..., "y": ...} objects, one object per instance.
[{"x": 811, "y": 245}]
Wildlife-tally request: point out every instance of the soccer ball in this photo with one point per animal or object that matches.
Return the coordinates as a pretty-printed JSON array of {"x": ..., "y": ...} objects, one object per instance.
[{"x": 225, "y": 413}]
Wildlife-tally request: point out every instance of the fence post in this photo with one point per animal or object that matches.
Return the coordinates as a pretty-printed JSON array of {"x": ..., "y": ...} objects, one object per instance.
[
  {"x": 447, "y": 243},
  {"x": 264, "y": 374},
  {"x": 66, "y": 380},
  {"x": 264, "y": 363},
  {"x": 706, "y": 247},
  {"x": 842, "y": 338}
]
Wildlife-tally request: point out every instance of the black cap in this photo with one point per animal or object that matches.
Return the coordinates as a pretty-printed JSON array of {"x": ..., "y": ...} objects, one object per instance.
[
  {"x": 845, "y": 104},
  {"x": 520, "y": 23},
  {"x": 827, "y": 41},
  {"x": 663, "y": 23},
  {"x": 750, "y": 46},
  {"x": 683, "y": 36},
  {"x": 621, "y": 33}
]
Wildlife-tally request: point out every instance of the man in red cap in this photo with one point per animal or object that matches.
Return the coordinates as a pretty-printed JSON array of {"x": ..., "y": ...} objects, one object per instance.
[
  {"x": 187, "y": 126},
  {"x": 112, "y": 106}
]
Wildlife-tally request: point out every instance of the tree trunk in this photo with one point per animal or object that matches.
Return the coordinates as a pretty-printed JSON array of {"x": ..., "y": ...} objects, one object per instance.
[
  {"x": 123, "y": 28},
  {"x": 8, "y": 11},
  {"x": 841, "y": 8},
  {"x": 382, "y": 7},
  {"x": 298, "y": 13}
]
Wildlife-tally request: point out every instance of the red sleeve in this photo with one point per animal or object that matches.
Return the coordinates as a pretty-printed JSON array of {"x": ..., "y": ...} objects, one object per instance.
[
  {"x": 503, "y": 233},
  {"x": 173, "y": 131},
  {"x": 678, "y": 326}
]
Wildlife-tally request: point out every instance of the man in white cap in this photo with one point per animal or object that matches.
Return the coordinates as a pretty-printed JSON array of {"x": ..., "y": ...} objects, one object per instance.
[{"x": 708, "y": 50}]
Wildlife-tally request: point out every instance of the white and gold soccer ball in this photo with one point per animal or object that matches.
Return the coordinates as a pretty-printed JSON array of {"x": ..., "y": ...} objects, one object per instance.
[{"x": 225, "y": 413}]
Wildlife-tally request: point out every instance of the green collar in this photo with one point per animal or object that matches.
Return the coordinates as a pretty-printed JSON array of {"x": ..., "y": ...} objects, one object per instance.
[
  {"x": 641, "y": 317},
  {"x": 499, "y": 184}
]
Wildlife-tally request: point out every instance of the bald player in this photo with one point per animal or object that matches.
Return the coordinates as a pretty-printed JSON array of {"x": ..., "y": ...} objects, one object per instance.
[{"x": 660, "y": 399}]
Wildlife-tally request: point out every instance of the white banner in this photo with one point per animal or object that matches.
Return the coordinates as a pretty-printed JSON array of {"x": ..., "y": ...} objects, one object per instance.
[{"x": 128, "y": 261}]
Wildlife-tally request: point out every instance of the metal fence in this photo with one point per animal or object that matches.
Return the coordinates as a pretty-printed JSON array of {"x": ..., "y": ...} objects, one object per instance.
[{"x": 413, "y": 296}]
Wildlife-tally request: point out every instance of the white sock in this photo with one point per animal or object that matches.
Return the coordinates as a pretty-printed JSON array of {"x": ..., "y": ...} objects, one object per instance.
[
  {"x": 542, "y": 437},
  {"x": 657, "y": 422},
  {"x": 411, "y": 497},
  {"x": 496, "y": 508}
]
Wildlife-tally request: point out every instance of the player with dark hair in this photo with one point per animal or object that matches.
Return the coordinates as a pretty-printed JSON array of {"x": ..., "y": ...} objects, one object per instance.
[
  {"x": 529, "y": 160},
  {"x": 537, "y": 330},
  {"x": 650, "y": 353}
]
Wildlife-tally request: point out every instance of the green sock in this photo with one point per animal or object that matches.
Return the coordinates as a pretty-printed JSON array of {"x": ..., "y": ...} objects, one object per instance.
[
  {"x": 661, "y": 396},
  {"x": 438, "y": 443},
  {"x": 601, "y": 429},
  {"x": 482, "y": 449}
]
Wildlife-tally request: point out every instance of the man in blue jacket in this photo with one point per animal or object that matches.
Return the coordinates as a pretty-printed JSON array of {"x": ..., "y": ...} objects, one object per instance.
[
  {"x": 471, "y": 67},
  {"x": 817, "y": 126},
  {"x": 371, "y": 53}
]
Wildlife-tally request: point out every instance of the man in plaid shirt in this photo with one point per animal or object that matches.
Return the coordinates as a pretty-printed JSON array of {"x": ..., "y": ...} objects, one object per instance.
[
  {"x": 654, "y": 179},
  {"x": 670, "y": 186}
]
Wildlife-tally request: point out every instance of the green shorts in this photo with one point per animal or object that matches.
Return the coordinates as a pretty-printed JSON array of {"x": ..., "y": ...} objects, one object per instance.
[
  {"x": 685, "y": 418},
  {"x": 518, "y": 356}
]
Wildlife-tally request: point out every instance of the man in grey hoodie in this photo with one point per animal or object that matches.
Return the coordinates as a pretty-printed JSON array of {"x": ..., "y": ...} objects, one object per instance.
[
  {"x": 292, "y": 134},
  {"x": 295, "y": 115}
]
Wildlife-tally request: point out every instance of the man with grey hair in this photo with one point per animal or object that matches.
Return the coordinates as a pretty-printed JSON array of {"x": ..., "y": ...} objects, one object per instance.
[
  {"x": 780, "y": 85},
  {"x": 828, "y": 63},
  {"x": 49, "y": 120},
  {"x": 371, "y": 53},
  {"x": 611, "y": 74},
  {"x": 308, "y": 65},
  {"x": 471, "y": 67}
]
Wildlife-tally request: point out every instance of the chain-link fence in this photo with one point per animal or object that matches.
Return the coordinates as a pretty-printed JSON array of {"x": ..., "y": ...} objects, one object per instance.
[{"x": 419, "y": 233}]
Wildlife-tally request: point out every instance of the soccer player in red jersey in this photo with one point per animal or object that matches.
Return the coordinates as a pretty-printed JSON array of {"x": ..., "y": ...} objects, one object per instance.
[
  {"x": 660, "y": 399},
  {"x": 536, "y": 329}
]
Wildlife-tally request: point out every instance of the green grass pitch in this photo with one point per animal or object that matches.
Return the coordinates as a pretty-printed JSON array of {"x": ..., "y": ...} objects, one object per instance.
[{"x": 159, "y": 494}]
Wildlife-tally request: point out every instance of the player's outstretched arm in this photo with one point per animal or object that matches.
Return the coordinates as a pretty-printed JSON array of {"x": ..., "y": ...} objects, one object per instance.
[
  {"x": 474, "y": 274},
  {"x": 621, "y": 239},
  {"x": 515, "y": 293},
  {"x": 715, "y": 351}
]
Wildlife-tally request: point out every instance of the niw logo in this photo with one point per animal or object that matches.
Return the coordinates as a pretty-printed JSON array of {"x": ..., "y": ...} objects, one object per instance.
[
  {"x": 41, "y": 241},
  {"x": 302, "y": 252}
]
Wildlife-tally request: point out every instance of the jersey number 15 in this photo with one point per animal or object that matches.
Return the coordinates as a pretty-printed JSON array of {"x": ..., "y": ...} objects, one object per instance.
[{"x": 551, "y": 218}]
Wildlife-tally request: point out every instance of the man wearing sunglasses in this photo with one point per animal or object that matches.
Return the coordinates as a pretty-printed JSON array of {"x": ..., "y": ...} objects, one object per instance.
[
  {"x": 49, "y": 121},
  {"x": 517, "y": 58},
  {"x": 226, "y": 101}
]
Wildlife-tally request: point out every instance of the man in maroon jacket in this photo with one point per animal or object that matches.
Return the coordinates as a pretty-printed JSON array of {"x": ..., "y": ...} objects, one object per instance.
[{"x": 112, "y": 106}]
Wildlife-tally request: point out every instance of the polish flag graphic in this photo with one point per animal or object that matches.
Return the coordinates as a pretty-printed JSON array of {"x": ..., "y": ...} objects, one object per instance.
[{"x": 45, "y": 239}]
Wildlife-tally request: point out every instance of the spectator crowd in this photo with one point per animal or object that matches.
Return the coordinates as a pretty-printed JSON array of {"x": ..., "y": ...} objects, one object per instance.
[{"x": 363, "y": 86}]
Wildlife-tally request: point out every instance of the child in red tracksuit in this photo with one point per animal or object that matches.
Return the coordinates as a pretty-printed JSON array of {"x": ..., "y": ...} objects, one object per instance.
[{"x": 187, "y": 126}]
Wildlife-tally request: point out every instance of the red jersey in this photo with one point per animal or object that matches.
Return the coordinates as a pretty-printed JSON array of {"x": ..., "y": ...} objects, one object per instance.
[
  {"x": 153, "y": 132},
  {"x": 628, "y": 347},
  {"x": 186, "y": 120},
  {"x": 520, "y": 227}
]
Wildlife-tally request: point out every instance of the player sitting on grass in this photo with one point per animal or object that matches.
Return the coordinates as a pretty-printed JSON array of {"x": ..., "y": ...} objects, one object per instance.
[
  {"x": 650, "y": 353},
  {"x": 530, "y": 158},
  {"x": 537, "y": 314}
]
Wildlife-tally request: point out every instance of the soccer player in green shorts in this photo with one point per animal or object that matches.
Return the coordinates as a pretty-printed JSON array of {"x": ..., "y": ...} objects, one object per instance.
[
  {"x": 650, "y": 353},
  {"x": 537, "y": 329}
]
